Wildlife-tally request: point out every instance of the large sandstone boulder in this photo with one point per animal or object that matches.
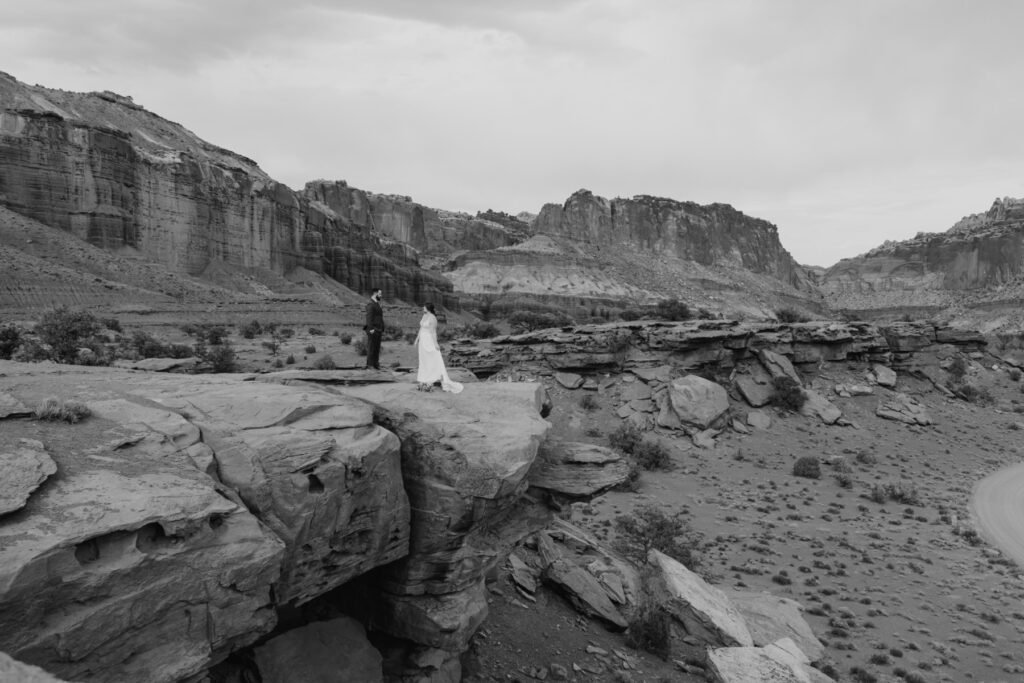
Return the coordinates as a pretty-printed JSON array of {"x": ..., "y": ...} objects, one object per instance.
[
  {"x": 778, "y": 365},
  {"x": 578, "y": 469},
  {"x": 770, "y": 618},
  {"x": 316, "y": 470},
  {"x": 779, "y": 662},
  {"x": 692, "y": 402},
  {"x": 13, "y": 671},
  {"x": 334, "y": 651},
  {"x": 161, "y": 573},
  {"x": 818, "y": 406},
  {"x": 705, "y": 612},
  {"x": 903, "y": 408},
  {"x": 24, "y": 466}
]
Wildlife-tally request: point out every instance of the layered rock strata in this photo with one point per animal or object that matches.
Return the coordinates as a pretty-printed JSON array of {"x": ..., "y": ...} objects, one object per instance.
[
  {"x": 187, "y": 513},
  {"x": 716, "y": 234},
  {"x": 715, "y": 345},
  {"x": 981, "y": 252},
  {"x": 115, "y": 175}
]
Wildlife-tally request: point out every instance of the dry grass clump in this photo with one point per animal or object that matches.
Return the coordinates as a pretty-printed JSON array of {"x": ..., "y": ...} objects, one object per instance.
[{"x": 55, "y": 409}]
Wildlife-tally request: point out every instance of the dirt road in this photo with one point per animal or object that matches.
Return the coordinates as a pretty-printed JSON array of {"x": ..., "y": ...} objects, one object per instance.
[{"x": 998, "y": 508}]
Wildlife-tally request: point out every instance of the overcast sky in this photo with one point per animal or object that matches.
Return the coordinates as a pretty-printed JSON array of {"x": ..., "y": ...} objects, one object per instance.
[{"x": 844, "y": 123}]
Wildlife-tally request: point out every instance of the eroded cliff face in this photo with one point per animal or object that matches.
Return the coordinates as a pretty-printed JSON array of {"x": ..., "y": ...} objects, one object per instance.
[
  {"x": 104, "y": 169},
  {"x": 981, "y": 252},
  {"x": 712, "y": 235}
]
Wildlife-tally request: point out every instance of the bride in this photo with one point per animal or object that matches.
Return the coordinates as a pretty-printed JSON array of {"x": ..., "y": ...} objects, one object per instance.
[{"x": 431, "y": 367}]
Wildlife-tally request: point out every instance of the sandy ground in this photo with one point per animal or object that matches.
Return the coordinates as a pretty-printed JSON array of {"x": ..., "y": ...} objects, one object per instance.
[{"x": 891, "y": 588}]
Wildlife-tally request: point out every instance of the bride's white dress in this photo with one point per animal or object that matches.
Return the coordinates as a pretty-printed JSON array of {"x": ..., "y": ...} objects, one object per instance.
[{"x": 431, "y": 367}]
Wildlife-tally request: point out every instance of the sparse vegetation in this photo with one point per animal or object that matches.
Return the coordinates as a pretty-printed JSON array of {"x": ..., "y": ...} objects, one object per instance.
[
  {"x": 310, "y": 348},
  {"x": 360, "y": 346},
  {"x": 10, "y": 340},
  {"x": 345, "y": 338},
  {"x": 787, "y": 393},
  {"x": 650, "y": 625},
  {"x": 589, "y": 403},
  {"x": 250, "y": 329},
  {"x": 808, "y": 467},
  {"x": 672, "y": 309},
  {"x": 65, "y": 331},
  {"x": 649, "y": 528},
  {"x": 54, "y": 410},
  {"x": 324, "y": 363},
  {"x": 216, "y": 357},
  {"x": 791, "y": 315},
  {"x": 316, "y": 332},
  {"x": 900, "y": 492}
]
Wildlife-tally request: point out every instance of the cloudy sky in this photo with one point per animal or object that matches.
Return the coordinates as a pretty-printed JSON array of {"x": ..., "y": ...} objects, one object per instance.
[{"x": 844, "y": 123}]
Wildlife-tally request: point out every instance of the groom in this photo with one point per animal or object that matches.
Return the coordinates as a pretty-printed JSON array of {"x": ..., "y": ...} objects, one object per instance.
[{"x": 374, "y": 328}]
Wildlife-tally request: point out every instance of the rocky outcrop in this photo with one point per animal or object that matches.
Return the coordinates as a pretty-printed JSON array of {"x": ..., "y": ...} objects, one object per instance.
[
  {"x": 190, "y": 512},
  {"x": 578, "y": 469},
  {"x": 719, "y": 346},
  {"x": 981, "y": 253},
  {"x": 315, "y": 653},
  {"x": 24, "y": 466},
  {"x": 115, "y": 175},
  {"x": 716, "y": 234}
]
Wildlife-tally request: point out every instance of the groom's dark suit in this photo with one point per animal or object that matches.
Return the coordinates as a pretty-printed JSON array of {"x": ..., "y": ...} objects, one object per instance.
[{"x": 374, "y": 327}]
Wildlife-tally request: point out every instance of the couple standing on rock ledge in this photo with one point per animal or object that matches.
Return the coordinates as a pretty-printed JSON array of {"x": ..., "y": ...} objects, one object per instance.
[{"x": 431, "y": 365}]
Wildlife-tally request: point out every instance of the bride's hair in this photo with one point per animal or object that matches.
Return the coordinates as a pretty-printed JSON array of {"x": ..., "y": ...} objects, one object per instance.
[{"x": 430, "y": 307}]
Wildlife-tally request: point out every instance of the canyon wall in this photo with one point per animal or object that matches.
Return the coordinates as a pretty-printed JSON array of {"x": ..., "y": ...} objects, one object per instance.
[
  {"x": 982, "y": 253},
  {"x": 104, "y": 169},
  {"x": 716, "y": 234}
]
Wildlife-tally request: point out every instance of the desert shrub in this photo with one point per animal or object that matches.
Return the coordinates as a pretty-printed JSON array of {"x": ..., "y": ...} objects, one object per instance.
[
  {"x": 650, "y": 627},
  {"x": 651, "y": 455},
  {"x": 392, "y": 333},
  {"x": 649, "y": 528},
  {"x": 957, "y": 368},
  {"x": 672, "y": 309},
  {"x": 65, "y": 331},
  {"x": 862, "y": 675},
  {"x": 215, "y": 334},
  {"x": 251, "y": 329},
  {"x": 10, "y": 339},
  {"x": 310, "y": 348},
  {"x": 626, "y": 437},
  {"x": 145, "y": 345},
  {"x": 527, "y": 321},
  {"x": 345, "y": 338},
  {"x": 808, "y": 467},
  {"x": 1015, "y": 374},
  {"x": 324, "y": 362},
  {"x": 54, "y": 409},
  {"x": 30, "y": 351},
  {"x": 290, "y": 360},
  {"x": 900, "y": 492},
  {"x": 316, "y": 332},
  {"x": 273, "y": 345},
  {"x": 841, "y": 465},
  {"x": 277, "y": 363},
  {"x": 589, "y": 402},
  {"x": 112, "y": 324},
  {"x": 971, "y": 393},
  {"x": 630, "y": 314},
  {"x": 216, "y": 357},
  {"x": 865, "y": 458},
  {"x": 189, "y": 329},
  {"x": 844, "y": 479},
  {"x": 791, "y": 315},
  {"x": 360, "y": 346},
  {"x": 286, "y": 332},
  {"x": 410, "y": 337},
  {"x": 787, "y": 393}
]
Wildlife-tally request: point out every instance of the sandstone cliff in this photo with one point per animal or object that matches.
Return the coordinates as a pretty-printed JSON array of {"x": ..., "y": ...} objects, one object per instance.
[
  {"x": 978, "y": 263},
  {"x": 115, "y": 175},
  {"x": 716, "y": 234}
]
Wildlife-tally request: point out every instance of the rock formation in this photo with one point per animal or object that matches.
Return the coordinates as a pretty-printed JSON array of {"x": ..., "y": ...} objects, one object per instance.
[
  {"x": 981, "y": 258},
  {"x": 716, "y": 234},
  {"x": 115, "y": 175},
  {"x": 188, "y": 513}
]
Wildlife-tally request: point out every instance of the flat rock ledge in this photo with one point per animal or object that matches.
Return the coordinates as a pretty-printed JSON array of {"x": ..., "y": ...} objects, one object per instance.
[{"x": 189, "y": 509}]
